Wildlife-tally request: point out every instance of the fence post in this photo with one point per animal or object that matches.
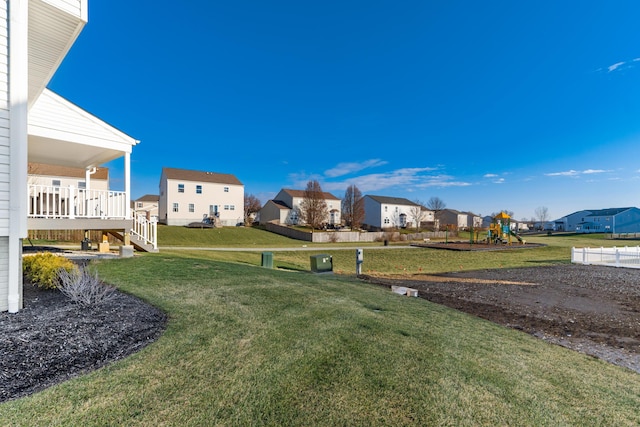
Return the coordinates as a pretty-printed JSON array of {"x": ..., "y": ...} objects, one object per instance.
[{"x": 617, "y": 257}]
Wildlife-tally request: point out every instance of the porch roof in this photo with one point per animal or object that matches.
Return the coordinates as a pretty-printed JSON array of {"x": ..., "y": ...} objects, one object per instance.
[
  {"x": 62, "y": 133},
  {"x": 53, "y": 27}
]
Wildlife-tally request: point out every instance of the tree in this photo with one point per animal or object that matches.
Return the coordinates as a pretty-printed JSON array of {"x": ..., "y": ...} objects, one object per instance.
[
  {"x": 542, "y": 213},
  {"x": 353, "y": 207},
  {"x": 436, "y": 205},
  {"x": 252, "y": 206},
  {"x": 417, "y": 213},
  {"x": 313, "y": 207}
]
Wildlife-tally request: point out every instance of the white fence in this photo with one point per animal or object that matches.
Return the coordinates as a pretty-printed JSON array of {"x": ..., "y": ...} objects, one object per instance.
[
  {"x": 145, "y": 230},
  {"x": 46, "y": 201},
  {"x": 628, "y": 257}
]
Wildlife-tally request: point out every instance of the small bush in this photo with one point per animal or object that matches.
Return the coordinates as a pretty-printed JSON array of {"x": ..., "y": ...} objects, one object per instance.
[
  {"x": 42, "y": 269},
  {"x": 84, "y": 287}
]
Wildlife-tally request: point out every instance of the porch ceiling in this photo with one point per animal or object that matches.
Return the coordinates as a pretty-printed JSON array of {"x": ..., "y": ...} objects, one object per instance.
[
  {"x": 53, "y": 27},
  {"x": 65, "y": 153}
]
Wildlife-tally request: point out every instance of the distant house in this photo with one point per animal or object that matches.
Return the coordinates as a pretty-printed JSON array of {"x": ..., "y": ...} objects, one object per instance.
[
  {"x": 611, "y": 220},
  {"x": 452, "y": 218},
  {"x": 147, "y": 205},
  {"x": 285, "y": 208},
  {"x": 188, "y": 196},
  {"x": 473, "y": 220},
  {"x": 382, "y": 212}
]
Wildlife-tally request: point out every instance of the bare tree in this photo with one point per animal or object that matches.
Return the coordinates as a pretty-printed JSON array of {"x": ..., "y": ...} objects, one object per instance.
[
  {"x": 313, "y": 207},
  {"x": 436, "y": 204},
  {"x": 353, "y": 207},
  {"x": 542, "y": 213},
  {"x": 252, "y": 206},
  {"x": 417, "y": 213}
]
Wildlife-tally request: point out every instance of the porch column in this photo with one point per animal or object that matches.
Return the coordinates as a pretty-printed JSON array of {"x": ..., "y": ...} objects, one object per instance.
[
  {"x": 87, "y": 178},
  {"x": 87, "y": 189},
  {"x": 127, "y": 185},
  {"x": 18, "y": 111}
]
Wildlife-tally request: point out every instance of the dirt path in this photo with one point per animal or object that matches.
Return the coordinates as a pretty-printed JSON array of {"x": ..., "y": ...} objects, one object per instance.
[{"x": 594, "y": 310}]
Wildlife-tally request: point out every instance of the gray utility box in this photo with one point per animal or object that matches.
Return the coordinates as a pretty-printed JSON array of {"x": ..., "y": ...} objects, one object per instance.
[
  {"x": 267, "y": 259},
  {"x": 322, "y": 263}
]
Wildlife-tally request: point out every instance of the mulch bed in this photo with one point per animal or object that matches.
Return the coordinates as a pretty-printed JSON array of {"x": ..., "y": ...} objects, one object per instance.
[
  {"x": 53, "y": 339},
  {"x": 591, "y": 309}
]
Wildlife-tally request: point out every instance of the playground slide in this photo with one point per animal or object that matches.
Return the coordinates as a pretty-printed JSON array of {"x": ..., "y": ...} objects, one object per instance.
[{"x": 516, "y": 236}]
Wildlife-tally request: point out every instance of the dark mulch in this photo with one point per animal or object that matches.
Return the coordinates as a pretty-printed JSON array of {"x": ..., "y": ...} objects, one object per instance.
[
  {"x": 591, "y": 309},
  {"x": 52, "y": 339}
]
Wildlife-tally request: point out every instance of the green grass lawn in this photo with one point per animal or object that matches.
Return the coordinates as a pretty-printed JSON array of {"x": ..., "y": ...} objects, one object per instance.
[
  {"x": 378, "y": 260},
  {"x": 252, "y": 346}
]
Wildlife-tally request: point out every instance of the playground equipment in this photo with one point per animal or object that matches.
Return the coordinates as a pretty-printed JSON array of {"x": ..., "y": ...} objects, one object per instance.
[{"x": 500, "y": 230}]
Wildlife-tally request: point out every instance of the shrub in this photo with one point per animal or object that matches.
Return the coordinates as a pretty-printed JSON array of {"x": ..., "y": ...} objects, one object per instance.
[
  {"x": 42, "y": 269},
  {"x": 84, "y": 287}
]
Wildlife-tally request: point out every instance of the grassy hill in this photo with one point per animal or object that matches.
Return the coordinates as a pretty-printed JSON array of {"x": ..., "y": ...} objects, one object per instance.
[{"x": 251, "y": 346}]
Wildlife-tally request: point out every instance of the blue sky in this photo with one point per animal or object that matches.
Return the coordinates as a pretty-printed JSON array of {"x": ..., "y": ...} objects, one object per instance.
[{"x": 486, "y": 105}]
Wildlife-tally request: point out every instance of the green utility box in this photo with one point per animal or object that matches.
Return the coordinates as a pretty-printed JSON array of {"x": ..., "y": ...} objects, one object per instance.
[
  {"x": 267, "y": 259},
  {"x": 322, "y": 263}
]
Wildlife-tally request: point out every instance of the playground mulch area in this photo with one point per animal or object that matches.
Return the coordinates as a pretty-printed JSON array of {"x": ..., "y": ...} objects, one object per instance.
[
  {"x": 477, "y": 246},
  {"x": 590, "y": 309}
]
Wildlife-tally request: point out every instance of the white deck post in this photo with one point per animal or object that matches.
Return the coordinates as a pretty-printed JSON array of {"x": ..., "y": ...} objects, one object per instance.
[
  {"x": 127, "y": 185},
  {"x": 18, "y": 96}
]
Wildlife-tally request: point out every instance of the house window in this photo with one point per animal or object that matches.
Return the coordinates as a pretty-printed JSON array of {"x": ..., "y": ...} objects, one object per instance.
[
  {"x": 139, "y": 204},
  {"x": 386, "y": 221},
  {"x": 56, "y": 183},
  {"x": 180, "y": 188},
  {"x": 226, "y": 189},
  {"x": 226, "y": 207},
  {"x": 198, "y": 189},
  {"x": 192, "y": 208},
  {"x": 82, "y": 185},
  {"x": 386, "y": 208},
  {"x": 232, "y": 207},
  {"x": 175, "y": 207}
]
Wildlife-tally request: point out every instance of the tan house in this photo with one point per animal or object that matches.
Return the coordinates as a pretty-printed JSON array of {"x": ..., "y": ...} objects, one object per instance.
[
  {"x": 285, "y": 208},
  {"x": 188, "y": 196},
  {"x": 147, "y": 205}
]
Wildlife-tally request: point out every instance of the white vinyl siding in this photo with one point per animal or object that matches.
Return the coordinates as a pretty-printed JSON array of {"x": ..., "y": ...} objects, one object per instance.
[
  {"x": 4, "y": 138},
  {"x": 4, "y": 268}
]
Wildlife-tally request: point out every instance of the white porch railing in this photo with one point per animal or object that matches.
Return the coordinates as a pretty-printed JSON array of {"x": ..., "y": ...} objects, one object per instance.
[
  {"x": 47, "y": 201},
  {"x": 145, "y": 230},
  {"x": 628, "y": 257}
]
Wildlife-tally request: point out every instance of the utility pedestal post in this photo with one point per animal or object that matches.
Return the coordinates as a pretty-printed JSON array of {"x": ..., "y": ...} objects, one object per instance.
[{"x": 359, "y": 261}]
